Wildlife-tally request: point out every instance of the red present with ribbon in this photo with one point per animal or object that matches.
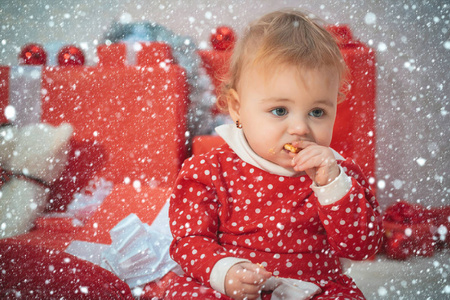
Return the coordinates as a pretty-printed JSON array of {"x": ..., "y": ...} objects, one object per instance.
[{"x": 414, "y": 230}]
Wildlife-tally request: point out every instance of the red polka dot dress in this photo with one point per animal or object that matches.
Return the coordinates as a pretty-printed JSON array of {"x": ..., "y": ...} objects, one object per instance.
[{"x": 223, "y": 207}]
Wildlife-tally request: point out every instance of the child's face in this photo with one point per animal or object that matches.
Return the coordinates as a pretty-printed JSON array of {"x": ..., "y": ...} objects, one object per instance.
[{"x": 285, "y": 106}]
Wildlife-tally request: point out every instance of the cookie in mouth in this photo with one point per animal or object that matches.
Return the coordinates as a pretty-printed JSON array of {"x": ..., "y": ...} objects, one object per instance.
[{"x": 291, "y": 148}]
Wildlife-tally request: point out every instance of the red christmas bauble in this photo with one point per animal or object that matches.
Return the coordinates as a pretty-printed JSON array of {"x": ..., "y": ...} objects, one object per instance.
[
  {"x": 32, "y": 54},
  {"x": 70, "y": 56},
  {"x": 223, "y": 38}
]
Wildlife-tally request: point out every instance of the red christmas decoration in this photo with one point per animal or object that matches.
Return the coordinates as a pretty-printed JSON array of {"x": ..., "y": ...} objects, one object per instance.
[
  {"x": 405, "y": 213},
  {"x": 342, "y": 34},
  {"x": 411, "y": 229},
  {"x": 223, "y": 38},
  {"x": 70, "y": 56},
  {"x": 33, "y": 54},
  {"x": 398, "y": 246}
]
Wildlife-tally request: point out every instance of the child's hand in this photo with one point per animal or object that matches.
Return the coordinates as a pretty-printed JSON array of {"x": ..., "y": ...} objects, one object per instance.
[
  {"x": 244, "y": 280},
  {"x": 318, "y": 162}
]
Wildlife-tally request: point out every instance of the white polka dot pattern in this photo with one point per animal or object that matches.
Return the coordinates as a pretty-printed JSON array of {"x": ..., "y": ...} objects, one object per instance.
[{"x": 222, "y": 206}]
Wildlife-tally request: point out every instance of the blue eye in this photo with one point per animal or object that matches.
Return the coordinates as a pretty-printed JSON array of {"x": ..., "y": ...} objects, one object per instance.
[
  {"x": 317, "y": 113},
  {"x": 279, "y": 111}
]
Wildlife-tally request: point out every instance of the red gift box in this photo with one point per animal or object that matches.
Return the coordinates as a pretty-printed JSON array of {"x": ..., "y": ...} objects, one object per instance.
[
  {"x": 413, "y": 230},
  {"x": 403, "y": 241}
]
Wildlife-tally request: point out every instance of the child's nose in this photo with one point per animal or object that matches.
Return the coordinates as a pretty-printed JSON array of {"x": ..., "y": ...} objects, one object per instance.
[{"x": 298, "y": 127}]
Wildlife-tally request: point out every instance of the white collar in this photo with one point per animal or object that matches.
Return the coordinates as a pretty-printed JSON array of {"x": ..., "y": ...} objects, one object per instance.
[{"x": 235, "y": 138}]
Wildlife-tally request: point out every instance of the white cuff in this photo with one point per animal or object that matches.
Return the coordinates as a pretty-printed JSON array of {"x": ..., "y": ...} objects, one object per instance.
[
  {"x": 335, "y": 190},
  {"x": 219, "y": 272}
]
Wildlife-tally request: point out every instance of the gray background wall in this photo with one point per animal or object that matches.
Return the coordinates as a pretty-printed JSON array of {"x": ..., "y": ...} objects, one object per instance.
[{"x": 411, "y": 39}]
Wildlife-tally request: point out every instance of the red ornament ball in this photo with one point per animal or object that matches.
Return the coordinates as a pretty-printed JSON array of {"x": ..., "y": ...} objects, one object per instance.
[
  {"x": 70, "y": 56},
  {"x": 223, "y": 38},
  {"x": 32, "y": 54}
]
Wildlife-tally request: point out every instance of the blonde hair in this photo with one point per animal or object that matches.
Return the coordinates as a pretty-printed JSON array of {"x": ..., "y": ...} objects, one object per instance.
[{"x": 279, "y": 38}]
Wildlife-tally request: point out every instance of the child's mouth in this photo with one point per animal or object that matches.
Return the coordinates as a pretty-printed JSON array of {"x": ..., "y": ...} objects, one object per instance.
[{"x": 290, "y": 148}]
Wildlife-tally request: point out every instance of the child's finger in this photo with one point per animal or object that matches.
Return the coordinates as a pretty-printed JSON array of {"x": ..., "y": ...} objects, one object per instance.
[
  {"x": 307, "y": 159},
  {"x": 310, "y": 163},
  {"x": 244, "y": 293},
  {"x": 303, "y": 144},
  {"x": 314, "y": 156},
  {"x": 252, "y": 277},
  {"x": 251, "y": 289},
  {"x": 260, "y": 271}
]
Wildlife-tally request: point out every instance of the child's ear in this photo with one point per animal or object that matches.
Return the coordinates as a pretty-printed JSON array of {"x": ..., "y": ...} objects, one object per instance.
[{"x": 234, "y": 104}]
